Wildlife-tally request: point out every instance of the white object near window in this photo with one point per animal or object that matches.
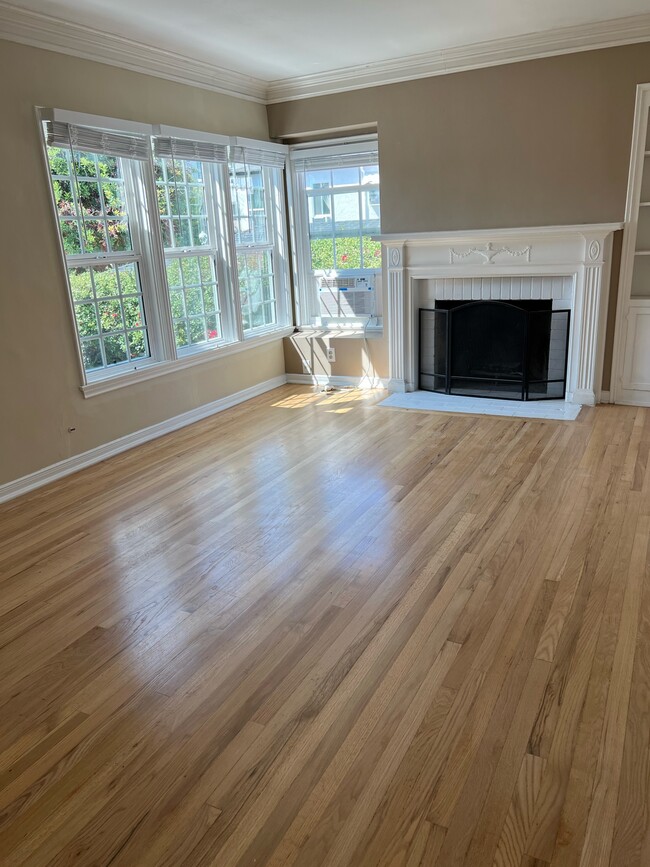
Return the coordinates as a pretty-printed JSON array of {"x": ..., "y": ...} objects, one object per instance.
[
  {"x": 163, "y": 267},
  {"x": 336, "y": 211}
]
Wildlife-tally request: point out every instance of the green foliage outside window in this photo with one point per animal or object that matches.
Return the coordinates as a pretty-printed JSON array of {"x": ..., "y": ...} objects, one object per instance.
[{"x": 350, "y": 253}]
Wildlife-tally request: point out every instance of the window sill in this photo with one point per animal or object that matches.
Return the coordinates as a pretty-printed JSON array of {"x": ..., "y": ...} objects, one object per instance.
[
  {"x": 161, "y": 368},
  {"x": 373, "y": 333}
]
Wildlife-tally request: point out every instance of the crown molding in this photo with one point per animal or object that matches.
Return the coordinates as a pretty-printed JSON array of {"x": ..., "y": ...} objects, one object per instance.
[
  {"x": 495, "y": 52},
  {"x": 56, "y": 34}
]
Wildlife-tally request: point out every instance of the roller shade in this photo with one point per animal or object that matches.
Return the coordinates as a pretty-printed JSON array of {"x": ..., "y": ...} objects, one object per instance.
[
  {"x": 102, "y": 141},
  {"x": 253, "y": 156},
  {"x": 187, "y": 149}
]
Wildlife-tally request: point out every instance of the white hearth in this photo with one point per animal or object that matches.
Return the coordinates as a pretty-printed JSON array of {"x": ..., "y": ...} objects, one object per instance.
[{"x": 568, "y": 265}]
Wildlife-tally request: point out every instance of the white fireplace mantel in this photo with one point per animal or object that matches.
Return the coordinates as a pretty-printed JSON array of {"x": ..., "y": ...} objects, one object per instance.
[{"x": 580, "y": 253}]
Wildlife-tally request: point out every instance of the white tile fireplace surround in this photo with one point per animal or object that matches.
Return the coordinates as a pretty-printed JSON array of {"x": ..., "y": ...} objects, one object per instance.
[{"x": 568, "y": 265}]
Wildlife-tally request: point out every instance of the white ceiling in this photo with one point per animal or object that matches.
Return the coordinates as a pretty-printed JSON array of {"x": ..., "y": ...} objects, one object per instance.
[{"x": 277, "y": 39}]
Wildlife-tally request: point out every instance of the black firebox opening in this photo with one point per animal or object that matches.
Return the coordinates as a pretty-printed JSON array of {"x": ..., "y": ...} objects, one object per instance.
[{"x": 515, "y": 350}]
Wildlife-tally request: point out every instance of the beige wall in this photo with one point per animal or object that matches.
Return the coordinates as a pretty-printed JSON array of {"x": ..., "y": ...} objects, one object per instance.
[
  {"x": 545, "y": 142},
  {"x": 39, "y": 378}
]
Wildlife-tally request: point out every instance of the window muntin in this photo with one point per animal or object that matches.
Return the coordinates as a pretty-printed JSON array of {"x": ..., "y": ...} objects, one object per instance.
[
  {"x": 253, "y": 227},
  {"x": 91, "y": 195}
]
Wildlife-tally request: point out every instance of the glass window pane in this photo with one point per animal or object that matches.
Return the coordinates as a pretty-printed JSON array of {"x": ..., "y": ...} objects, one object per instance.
[
  {"x": 86, "y": 316},
  {"x": 71, "y": 237},
  {"x": 91, "y": 354},
  {"x": 180, "y": 333},
  {"x": 133, "y": 317},
  {"x": 128, "y": 277},
  {"x": 174, "y": 272},
  {"x": 322, "y": 253},
  {"x": 94, "y": 236},
  {"x": 114, "y": 201},
  {"x": 318, "y": 180},
  {"x": 197, "y": 330},
  {"x": 138, "y": 344},
  {"x": 348, "y": 252},
  {"x": 110, "y": 316},
  {"x": 105, "y": 280},
  {"x": 191, "y": 271},
  {"x": 371, "y": 253},
  {"x": 89, "y": 198},
  {"x": 109, "y": 167},
  {"x": 193, "y": 301},
  {"x": 115, "y": 349},
  {"x": 119, "y": 236},
  {"x": 177, "y": 302},
  {"x": 348, "y": 177},
  {"x": 80, "y": 283}
]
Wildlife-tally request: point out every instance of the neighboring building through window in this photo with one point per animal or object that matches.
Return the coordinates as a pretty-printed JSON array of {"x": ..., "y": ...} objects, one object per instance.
[{"x": 337, "y": 211}]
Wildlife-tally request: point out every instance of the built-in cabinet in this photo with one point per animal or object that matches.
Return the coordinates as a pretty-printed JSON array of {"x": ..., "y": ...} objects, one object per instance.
[{"x": 631, "y": 374}]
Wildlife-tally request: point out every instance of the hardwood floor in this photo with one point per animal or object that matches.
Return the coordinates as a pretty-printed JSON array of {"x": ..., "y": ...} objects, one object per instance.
[{"x": 311, "y": 631}]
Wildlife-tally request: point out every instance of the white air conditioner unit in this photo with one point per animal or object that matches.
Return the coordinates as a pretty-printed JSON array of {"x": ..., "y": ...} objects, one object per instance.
[{"x": 344, "y": 298}]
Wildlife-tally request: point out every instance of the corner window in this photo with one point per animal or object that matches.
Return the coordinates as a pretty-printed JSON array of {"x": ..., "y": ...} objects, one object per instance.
[
  {"x": 337, "y": 211},
  {"x": 174, "y": 247}
]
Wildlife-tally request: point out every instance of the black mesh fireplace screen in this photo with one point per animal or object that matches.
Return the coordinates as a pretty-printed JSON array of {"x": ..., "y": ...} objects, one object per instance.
[{"x": 497, "y": 349}]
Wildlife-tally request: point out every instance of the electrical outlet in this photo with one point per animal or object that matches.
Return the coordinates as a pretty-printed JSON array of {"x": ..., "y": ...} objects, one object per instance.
[{"x": 331, "y": 353}]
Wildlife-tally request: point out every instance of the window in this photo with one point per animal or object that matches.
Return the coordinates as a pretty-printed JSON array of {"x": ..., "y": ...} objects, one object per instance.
[
  {"x": 258, "y": 230},
  {"x": 96, "y": 198},
  {"x": 337, "y": 211},
  {"x": 173, "y": 246},
  {"x": 189, "y": 205}
]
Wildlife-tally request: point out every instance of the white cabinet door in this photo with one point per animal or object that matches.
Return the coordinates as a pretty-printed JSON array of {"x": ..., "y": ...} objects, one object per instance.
[{"x": 635, "y": 381}]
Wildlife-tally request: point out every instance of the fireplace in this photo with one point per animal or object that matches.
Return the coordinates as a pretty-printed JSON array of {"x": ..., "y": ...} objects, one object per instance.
[
  {"x": 567, "y": 266},
  {"x": 515, "y": 350}
]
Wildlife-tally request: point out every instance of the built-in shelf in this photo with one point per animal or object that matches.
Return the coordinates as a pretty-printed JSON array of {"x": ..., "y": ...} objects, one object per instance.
[
  {"x": 642, "y": 252},
  {"x": 644, "y": 204}
]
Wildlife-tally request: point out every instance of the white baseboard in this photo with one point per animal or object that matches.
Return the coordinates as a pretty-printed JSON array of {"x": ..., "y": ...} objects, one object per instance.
[
  {"x": 77, "y": 462},
  {"x": 341, "y": 381}
]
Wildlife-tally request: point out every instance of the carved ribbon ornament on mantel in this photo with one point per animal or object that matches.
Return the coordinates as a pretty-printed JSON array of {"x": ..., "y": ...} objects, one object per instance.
[{"x": 489, "y": 252}]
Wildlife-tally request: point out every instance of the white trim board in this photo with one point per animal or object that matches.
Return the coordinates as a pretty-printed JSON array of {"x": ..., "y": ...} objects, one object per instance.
[
  {"x": 55, "y": 34},
  {"x": 67, "y": 37},
  {"x": 337, "y": 381},
  {"x": 427, "y": 401},
  {"x": 66, "y": 467}
]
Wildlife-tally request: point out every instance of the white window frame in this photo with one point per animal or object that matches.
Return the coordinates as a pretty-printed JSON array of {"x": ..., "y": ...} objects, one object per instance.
[
  {"x": 277, "y": 244},
  {"x": 218, "y": 249},
  {"x": 307, "y": 301},
  {"x": 148, "y": 250}
]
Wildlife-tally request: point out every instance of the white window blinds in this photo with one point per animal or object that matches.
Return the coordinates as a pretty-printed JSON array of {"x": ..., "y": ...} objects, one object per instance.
[
  {"x": 252, "y": 156},
  {"x": 334, "y": 157},
  {"x": 187, "y": 149},
  {"x": 83, "y": 138}
]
